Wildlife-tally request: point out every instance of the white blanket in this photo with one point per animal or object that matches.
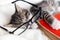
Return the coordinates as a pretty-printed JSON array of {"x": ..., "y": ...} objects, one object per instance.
[{"x": 29, "y": 34}]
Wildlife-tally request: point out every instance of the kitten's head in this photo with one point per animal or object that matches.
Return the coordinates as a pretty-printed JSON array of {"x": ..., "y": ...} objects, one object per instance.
[
  {"x": 20, "y": 17},
  {"x": 23, "y": 13}
]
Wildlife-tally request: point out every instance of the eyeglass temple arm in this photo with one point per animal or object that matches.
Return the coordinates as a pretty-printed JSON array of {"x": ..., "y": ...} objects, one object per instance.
[{"x": 26, "y": 2}]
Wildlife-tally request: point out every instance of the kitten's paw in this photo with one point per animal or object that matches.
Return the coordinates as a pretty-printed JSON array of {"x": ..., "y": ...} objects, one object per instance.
[
  {"x": 56, "y": 24},
  {"x": 9, "y": 25}
]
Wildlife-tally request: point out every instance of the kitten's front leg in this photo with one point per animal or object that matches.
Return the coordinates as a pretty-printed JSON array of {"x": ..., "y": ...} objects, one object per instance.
[{"x": 11, "y": 25}]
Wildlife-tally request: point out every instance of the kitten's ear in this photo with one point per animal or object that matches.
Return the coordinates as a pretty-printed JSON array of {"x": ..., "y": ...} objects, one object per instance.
[{"x": 19, "y": 9}]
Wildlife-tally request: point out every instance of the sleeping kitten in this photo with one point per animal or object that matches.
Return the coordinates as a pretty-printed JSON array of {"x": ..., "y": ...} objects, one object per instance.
[{"x": 19, "y": 17}]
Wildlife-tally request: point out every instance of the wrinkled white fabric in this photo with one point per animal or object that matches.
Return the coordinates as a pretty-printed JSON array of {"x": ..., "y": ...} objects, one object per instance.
[
  {"x": 6, "y": 11},
  {"x": 29, "y": 34}
]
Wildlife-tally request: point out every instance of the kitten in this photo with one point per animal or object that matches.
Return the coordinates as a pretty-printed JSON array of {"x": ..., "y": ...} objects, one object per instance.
[{"x": 19, "y": 17}]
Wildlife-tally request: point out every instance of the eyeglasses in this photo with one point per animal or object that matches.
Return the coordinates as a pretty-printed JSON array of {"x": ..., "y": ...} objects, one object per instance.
[{"x": 28, "y": 22}]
